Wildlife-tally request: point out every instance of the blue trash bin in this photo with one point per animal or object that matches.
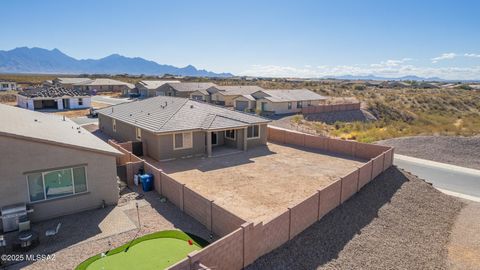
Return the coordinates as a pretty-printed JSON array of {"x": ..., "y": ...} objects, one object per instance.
[{"x": 147, "y": 182}]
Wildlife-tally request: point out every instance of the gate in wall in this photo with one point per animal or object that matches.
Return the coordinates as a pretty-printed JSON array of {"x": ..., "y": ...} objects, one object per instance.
[
  {"x": 137, "y": 149},
  {"x": 122, "y": 172}
]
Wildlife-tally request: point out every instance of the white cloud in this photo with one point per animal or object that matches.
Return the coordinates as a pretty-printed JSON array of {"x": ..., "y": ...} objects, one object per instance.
[
  {"x": 391, "y": 63},
  {"x": 472, "y": 55},
  {"x": 444, "y": 56},
  {"x": 383, "y": 69}
]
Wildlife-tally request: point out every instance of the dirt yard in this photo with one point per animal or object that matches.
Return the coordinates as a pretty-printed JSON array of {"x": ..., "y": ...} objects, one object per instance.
[{"x": 263, "y": 181}]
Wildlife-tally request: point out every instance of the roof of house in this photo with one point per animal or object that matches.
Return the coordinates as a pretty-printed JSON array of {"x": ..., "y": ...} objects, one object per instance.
[
  {"x": 73, "y": 80},
  {"x": 191, "y": 86},
  {"x": 49, "y": 128},
  {"x": 238, "y": 90},
  {"x": 103, "y": 81},
  {"x": 53, "y": 92},
  {"x": 282, "y": 95},
  {"x": 169, "y": 114},
  {"x": 152, "y": 85}
]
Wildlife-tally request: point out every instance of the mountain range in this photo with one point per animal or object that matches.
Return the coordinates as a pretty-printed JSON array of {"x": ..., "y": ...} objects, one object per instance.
[
  {"x": 38, "y": 60},
  {"x": 372, "y": 77}
]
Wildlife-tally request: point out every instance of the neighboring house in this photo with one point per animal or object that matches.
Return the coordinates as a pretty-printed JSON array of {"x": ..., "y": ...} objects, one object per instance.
[
  {"x": 68, "y": 82},
  {"x": 53, "y": 165},
  {"x": 201, "y": 95},
  {"x": 148, "y": 89},
  {"x": 281, "y": 101},
  {"x": 53, "y": 98},
  {"x": 224, "y": 95},
  {"x": 183, "y": 89},
  {"x": 8, "y": 86},
  {"x": 171, "y": 127},
  {"x": 104, "y": 85}
]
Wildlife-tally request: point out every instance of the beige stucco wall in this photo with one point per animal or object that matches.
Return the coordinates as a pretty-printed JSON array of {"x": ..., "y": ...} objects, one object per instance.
[
  {"x": 22, "y": 156},
  {"x": 282, "y": 107}
]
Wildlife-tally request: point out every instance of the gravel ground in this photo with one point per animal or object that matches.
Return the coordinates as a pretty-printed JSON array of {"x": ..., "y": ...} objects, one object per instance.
[
  {"x": 345, "y": 116},
  {"x": 395, "y": 222},
  {"x": 461, "y": 151},
  {"x": 464, "y": 247}
]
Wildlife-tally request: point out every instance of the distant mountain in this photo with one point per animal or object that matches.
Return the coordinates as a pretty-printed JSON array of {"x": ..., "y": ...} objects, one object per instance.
[
  {"x": 376, "y": 78},
  {"x": 38, "y": 60}
]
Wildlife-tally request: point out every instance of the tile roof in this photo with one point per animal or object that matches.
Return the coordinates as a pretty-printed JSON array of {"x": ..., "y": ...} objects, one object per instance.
[
  {"x": 102, "y": 81},
  {"x": 168, "y": 114},
  {"x": 52, "y": 92},
  {"x": 155, "y": 84},
  {"x": 238, "y": 90},
  {"x": 282, "y": 95},
  {"x": 191, "y": 86},
  {"x": 51, "y": 128}
]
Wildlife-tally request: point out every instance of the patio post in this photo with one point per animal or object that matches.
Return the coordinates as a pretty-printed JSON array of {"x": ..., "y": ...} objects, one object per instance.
[
  {"x": 245, "y": 131},
  {"x": 209, "y": 143}
]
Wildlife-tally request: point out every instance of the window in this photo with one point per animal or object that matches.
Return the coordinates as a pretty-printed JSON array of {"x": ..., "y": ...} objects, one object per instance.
[
  {"x": 110, "y": 88},
  {"x": 182, "y": 140},
  {"x": 138, "y": 133},
  {"x": 253, "y": 132},
  {"x": 80, "y": 102},
  {"x": 309, "y": 103},
  {"x": 230, "y": 134},
  {"x": 55, "y": 184},
  {"x": 4, "y": 85},
  {"x": 289, "y": 104},
  {"x": 114, "y": 125},
  {"x": 299, "y": 104}
]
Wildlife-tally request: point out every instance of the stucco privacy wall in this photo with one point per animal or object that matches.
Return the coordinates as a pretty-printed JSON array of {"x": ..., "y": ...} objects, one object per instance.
[{"x": 331, "y": 108}]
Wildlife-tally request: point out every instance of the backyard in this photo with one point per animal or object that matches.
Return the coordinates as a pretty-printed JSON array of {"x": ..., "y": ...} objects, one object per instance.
[{"x": 263, "y": 181}]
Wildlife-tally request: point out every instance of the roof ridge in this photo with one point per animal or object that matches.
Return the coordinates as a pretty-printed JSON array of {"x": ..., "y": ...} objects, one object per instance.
[{"x": 173, "y": 114}]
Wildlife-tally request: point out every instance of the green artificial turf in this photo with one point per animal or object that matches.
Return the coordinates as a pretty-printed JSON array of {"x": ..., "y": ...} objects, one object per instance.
[{"x": 154, "y": 251}]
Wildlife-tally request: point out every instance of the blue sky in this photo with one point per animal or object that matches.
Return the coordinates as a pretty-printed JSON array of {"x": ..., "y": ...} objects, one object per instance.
[{"x": 267, "y": 38}]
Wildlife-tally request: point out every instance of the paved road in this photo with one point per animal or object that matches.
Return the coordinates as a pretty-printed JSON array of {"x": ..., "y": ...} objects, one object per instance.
[
  {"x": 443, "y": 176},
  {"x": 110, "y": 100}
]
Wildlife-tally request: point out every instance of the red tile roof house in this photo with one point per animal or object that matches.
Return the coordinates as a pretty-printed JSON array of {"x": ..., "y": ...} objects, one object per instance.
[
  {"x": 171, "y": 127},
  {"x": 53, "y": 165}
]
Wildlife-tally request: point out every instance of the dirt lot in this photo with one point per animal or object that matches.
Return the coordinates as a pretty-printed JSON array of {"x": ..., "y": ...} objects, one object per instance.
[
  {"x": 262, "y": 181},
  {"x": 395, "y": 222},
  {"x": 456, "y": 150}
]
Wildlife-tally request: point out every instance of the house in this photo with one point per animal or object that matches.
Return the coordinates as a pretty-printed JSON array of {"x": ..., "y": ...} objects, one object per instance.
[
  {"x": 148, "y": 89},
  {"x": 172, "y": 127},
  {"x": 182, "y": 89},
  {"x": 279, "y": 101},
  {"x": 104, "y": 85},
  {"x": 224, "y": 95},
  {"x": 53, "y": 98},
  {"x": 68, "y": 82},
  {"x": 53, "y": 165},
  {"x": 8, "y": 85}
]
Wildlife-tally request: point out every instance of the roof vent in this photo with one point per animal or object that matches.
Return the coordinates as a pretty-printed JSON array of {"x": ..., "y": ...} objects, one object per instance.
[
  {"x": 191, "y": 106},
  {"x": 36, "y": 120},
  {"x": 64, "y": 118}
]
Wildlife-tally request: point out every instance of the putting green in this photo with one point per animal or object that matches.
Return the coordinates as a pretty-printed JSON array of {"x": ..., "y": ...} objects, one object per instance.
[{"x": 154, "y": 251}]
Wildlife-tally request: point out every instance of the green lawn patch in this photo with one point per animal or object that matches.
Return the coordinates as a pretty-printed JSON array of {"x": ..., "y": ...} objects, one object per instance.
[{"x": 153, "y": 251}]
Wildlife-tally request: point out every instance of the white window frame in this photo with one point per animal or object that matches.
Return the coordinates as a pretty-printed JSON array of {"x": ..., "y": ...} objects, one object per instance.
[
  {"x": 230, "y": 138},
  {"x": 253, "y": 138},
  {"x": 184, "y": 145},
  {"x": 138, "y": 133},
  {"x": 80, "y": 101},
  {"x": 43, "y": 182},
  {"x": 289, "y": 105},
  {"x": 114, "y": 125}
]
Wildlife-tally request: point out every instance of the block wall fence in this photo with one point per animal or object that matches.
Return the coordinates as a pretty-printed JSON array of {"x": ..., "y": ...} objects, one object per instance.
[
  {"x": 331, "y": 108},
  {"x": 242, "y": 242}
]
